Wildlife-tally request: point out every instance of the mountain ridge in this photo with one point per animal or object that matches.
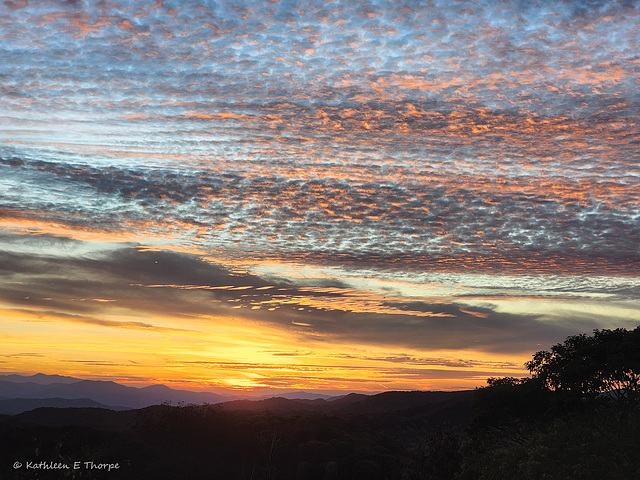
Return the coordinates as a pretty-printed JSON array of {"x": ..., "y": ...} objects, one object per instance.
[
  {"x": 49, "y": 389},
  {"x": 107, "y": 393}
]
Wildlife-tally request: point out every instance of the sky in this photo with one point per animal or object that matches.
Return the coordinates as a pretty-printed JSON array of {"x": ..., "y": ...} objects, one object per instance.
[{"x": 315, "y": 195}]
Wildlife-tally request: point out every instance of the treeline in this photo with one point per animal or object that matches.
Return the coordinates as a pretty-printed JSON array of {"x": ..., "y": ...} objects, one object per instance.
[{"x": 577, "y": 417}]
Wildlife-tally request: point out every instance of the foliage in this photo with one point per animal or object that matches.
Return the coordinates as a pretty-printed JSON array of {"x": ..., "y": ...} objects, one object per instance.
[
  {"x": 607, "y": 363},
  {"x": 576, "y": 418},
  {"x": 582, "y": 445}
]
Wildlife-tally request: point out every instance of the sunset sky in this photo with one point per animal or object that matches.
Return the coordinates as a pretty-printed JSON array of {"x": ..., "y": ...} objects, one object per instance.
[{"x": 361, "y": 196}]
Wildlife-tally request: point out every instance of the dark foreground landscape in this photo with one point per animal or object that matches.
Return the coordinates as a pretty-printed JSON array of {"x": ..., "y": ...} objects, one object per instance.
[{"x": 576, "y": 418}]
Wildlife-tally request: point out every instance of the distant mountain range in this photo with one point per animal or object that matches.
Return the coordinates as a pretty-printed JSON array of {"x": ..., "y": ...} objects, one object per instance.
[
  {"x": 39, "y": 378},
  {"x": 20, "y": 393}
]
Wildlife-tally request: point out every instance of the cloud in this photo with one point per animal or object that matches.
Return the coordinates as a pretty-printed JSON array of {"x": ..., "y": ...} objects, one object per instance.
[
  {"x": 479, "y": 220},
  {"x": 107, "y": 288},
  {"x": 23, "y": 355},
  {"x": 116, "y": 279},
  {"x": 56, "y": 316},
  {"x": 448, "y": 129}
]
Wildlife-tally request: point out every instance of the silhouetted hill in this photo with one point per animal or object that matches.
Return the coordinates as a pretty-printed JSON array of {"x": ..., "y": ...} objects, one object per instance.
[
  {"x": 394, "y": 401},
  {"x": 353, "y": 405},
  {"x": 348, "y": 399},
  {"x": 357, "y": 404},
  {"x": 355, "y": 436},
  {"x": 97, "y": 418},
  {"x": 13, "y": 406},
  {"x": 275, "y": 404}
]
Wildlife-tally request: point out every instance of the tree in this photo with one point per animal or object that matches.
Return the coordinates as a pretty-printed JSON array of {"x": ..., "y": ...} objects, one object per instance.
[
  {"x": 558, "y": 424},
  {"x": 607, "y": 363}
]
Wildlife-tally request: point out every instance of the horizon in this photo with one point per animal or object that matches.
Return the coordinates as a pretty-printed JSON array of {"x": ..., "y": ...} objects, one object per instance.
[
  {"x": 230, "y": 393},
  {"x": 321, "y": 196}
]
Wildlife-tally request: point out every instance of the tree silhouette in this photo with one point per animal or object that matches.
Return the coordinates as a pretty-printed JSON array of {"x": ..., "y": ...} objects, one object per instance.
[
  {"x": 607, "y": 363},
  {"x": 561, "y": 422}
]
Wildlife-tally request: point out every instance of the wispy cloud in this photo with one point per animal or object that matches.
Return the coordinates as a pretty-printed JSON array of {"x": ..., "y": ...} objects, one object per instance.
[{"x": 108, "y": 287}]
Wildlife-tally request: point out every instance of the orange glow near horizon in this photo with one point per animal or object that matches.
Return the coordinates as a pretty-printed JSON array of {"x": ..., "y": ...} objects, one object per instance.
[{"x": 229, "y": 354}]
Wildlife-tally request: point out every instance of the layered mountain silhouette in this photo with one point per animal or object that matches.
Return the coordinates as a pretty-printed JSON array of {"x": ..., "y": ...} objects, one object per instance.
[{"x": 22, "y": 393}]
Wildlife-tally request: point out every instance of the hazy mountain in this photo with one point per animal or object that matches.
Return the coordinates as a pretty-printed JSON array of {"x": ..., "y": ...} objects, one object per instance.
[
  {"x": 297, "y": 395},
  {"x": 39, "y": 378},
  {"x": 105, "y": 393}
]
